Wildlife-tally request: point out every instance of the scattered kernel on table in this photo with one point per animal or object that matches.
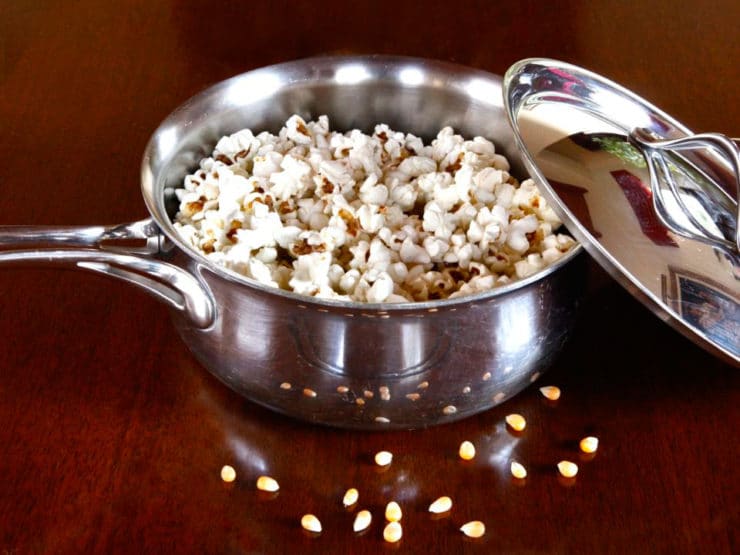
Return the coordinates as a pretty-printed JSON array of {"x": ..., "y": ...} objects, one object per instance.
[
  {"x": 383, "y": 458},
  {"x": 393, "y": 512},
  {"x": 466, "y": 451},
  {"x": 228, "y": 474},
  {"x": 551, "y": 392},
  {"x": 441, "y": 505},
  {"x": 350, "y": 497},
  {"x": 285, "y": 385},
  {"x": 589, "y": 444},
  {"x": 518, "y": 470},
  {"x": 567, "y": 469},
  {"x": 309, "y": 392},
  {"x": 516, "y": 422},
  {"x": 473, "y": 529},
  {"x": 449, "y": 409},
  {"x": 311, "y": 523},
  {"x": 362, "y": 520},
  {"x": 392, "y": 532},
  {"x": 266, "y": 483}
]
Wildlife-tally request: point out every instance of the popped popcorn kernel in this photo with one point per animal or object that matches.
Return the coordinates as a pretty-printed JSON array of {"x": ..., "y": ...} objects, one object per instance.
[{"x": 378, "y": 218}]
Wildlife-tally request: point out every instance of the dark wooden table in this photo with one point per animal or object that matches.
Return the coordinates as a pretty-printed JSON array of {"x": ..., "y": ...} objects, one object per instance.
[{"x": 112, "y": 436}]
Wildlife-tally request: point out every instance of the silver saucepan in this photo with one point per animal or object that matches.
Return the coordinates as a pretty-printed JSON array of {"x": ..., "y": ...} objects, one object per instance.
[{"x": 371, "y": 366}]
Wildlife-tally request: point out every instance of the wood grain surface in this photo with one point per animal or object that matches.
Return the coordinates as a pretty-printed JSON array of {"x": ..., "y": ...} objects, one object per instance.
[{"x": 112, "y": 436}]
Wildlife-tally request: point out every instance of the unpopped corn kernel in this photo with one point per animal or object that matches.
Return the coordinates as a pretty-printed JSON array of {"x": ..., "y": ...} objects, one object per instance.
[
  {"x": 551, "y": 392},
  {"x": 589, "y": 444},
  {"x": 516, "y": 422},
  {"x": 441, "y": 505},
  {"x": 466, "y": 451},
  {"x": 393, "y": 512},
  {"x": 383, "y": 458},
  {"x": 362, "y": 520},
  {"x": 518, "y": 470},
  {"x": 385, "y": 393},
  {"x": 228, "y": 474},
  {"x": 311, "y": 523},
  {"x": 473, "y": 529},
  {"x": 266, "y": 483},
  {"x": 392, "y": 532},
  {"x": 350, "y": 497},
  {"x": 567, "y": 469}
]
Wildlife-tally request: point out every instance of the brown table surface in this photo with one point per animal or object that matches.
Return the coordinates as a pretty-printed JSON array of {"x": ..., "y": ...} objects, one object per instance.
[{"x": 112, "y": 436}]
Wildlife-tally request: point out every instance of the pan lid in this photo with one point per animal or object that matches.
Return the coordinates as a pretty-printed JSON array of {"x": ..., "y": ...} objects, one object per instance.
[{"x": 653, "y": 203}]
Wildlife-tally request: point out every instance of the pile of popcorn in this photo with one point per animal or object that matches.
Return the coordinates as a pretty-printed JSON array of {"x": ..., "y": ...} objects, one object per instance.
[{"x": 381, "y": 218}]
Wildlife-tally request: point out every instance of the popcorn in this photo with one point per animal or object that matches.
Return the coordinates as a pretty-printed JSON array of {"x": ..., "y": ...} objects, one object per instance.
[{"x": 378, "y": 218}]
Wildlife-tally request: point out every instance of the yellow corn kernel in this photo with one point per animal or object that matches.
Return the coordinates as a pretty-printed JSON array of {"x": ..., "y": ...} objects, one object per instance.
[
  {"x": 473, "y": 529},
  {"x": 551, "y": 392},
  {"x": 516, "y": 422},
  {"x": 567, "y": 469},
  {"x": 228, "y": 474},
  {"x": 265, "y": 483},
  {"x": 350, "y": 497},
  {"x": 589, "y": 444},
  {"x": 393, "y": 512},
  {"x": 441, "y": 505},
  {"x": 392, "y": 532},
  {"x": 362, "y": 521},
  {"x": 311, "y": 523},
  {"x": 467, "y": 451},
  {"x": 383, "y": 458},
  {"x": 518, "y": 470}
]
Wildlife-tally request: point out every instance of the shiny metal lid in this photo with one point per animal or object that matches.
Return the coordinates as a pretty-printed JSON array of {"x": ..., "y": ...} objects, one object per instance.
[{"x": 653, "y": 203}]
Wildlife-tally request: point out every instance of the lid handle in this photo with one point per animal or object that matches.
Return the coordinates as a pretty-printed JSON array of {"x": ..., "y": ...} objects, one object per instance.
[{"x": 697, "y": 208}]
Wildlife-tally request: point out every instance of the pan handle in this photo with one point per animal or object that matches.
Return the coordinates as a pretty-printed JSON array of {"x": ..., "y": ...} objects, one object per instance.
[{"x": 116, "y": 251}]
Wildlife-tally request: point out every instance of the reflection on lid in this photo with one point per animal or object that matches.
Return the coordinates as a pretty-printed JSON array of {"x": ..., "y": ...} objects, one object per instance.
[{"x": 603, "y": 181}]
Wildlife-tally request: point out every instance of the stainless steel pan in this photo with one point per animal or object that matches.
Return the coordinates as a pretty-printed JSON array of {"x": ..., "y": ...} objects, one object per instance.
[{"x": 338, "y": 363}]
